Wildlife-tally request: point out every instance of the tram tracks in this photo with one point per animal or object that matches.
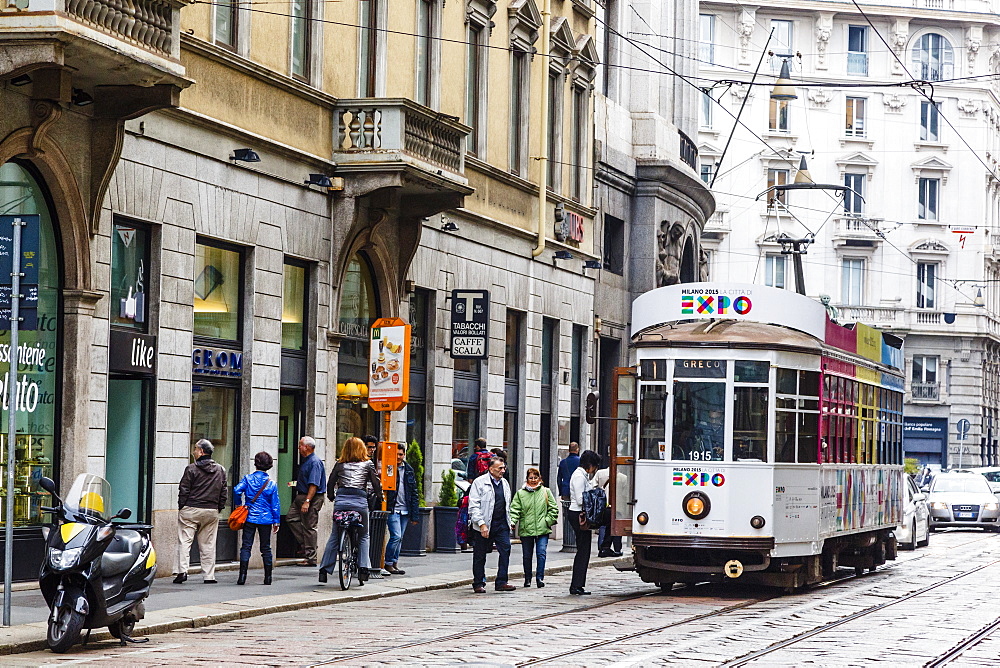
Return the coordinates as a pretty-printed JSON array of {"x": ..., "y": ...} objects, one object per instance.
[
  {"x": 966, "y": 644},
  {"x": 788, "y": 642},
  {"x": 721, "y": 612},
  {"x": 483, "y": 629}
]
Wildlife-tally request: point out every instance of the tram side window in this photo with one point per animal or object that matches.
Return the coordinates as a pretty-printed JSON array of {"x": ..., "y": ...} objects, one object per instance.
[
  {"x": 652, "y": 425},
  {"x": 797, "y": 416}
]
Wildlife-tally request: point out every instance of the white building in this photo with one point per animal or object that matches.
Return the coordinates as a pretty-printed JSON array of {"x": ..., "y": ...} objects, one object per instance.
[{"x": 910, "y": 248}]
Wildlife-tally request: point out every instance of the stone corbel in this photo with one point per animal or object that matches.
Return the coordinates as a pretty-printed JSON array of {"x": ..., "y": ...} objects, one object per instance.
[
  {"x": 824, "y": 29},
  {"x": 893, "y": 103},
  {"x": 820, "y": 97},
  {"x": 899, "y": 33},
  {"x": 973, "y": 41},
  {"x": 744, "y": 27},
  {"x": 113, "y": 105}
]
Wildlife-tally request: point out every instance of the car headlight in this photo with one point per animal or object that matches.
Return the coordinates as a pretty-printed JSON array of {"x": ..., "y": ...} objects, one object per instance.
[
  {"x": 991, "y": 506},
  {"x": 63, "y": 559},
  {"x": 939, "y": 505}
]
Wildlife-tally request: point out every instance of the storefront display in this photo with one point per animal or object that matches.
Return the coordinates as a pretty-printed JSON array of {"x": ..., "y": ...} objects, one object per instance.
[
  {"x": 358, "y": 310},
  {"x": 38, "y": 358}
]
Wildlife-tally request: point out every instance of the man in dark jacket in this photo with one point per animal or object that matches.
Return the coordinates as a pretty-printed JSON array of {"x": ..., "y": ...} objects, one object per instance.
[
  {"x": 402, "y": 504},
  {"x": 566, "y": 468},
  {"x": 201, "y": 496}
]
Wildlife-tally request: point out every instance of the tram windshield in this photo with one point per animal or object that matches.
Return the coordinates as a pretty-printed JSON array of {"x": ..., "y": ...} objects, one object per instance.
[{"x": 699, "y": 429}]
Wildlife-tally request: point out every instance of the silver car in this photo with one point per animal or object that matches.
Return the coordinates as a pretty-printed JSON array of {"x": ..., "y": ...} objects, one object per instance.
[{"x": 963, "y": 500}]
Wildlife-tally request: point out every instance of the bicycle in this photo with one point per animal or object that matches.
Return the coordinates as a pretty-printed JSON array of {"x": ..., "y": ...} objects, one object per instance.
[{"x": 351, "y": 525}]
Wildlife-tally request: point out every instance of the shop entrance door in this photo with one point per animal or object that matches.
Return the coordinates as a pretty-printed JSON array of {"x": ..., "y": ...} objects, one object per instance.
[
  {"x": 291, "y": 418},
  {"x": 128, "y": 437}
]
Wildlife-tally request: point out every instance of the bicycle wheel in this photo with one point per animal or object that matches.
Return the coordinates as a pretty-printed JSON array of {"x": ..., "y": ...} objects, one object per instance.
[{"x": 347, "y": 566}]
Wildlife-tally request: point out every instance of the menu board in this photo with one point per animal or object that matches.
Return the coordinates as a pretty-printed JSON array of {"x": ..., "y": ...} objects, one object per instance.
[{"x": 389, "y": 364}]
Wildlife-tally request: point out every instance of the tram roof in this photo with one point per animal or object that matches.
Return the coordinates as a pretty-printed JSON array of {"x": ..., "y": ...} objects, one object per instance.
[{"x": 770, "y": 317}]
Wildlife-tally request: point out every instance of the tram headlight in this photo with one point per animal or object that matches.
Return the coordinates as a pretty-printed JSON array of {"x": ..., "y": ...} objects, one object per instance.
[
  {"x": 642, "y": 518},
  {"x": 757, "y": 522},
  {"x": 696, "y": 505}
]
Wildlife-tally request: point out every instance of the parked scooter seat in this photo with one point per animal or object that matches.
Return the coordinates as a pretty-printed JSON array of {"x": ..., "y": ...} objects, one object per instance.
[
  {"x": 116, "y": 563},
  {"x": 126, "y": 541}
]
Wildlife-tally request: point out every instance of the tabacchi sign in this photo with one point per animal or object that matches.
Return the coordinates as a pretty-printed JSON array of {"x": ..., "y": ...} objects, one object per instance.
[{"x": 470, "y": 324}]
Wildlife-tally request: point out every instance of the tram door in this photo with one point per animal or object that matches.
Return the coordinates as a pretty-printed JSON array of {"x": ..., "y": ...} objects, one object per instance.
[{"x": 624, "y": 413}]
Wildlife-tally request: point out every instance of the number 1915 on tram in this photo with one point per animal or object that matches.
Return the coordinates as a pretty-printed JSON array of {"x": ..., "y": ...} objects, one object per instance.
[{"x": 757, "y": 440}]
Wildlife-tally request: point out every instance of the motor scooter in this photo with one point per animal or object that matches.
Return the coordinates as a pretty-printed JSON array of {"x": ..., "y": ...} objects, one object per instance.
[{"x": 96, "y": 572}]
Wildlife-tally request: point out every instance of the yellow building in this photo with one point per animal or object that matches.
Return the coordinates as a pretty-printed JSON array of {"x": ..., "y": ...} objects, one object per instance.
[{"x": 242, "y": 188}]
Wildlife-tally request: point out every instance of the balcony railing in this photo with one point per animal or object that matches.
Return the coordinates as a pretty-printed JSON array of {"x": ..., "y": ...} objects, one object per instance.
[
  {"x": 374, "y": 130},
  {"x": 689, "y": 151},
  {"x": 146, "y": 23},
  {"x": 851, "y": 227},
  {"x": 926, "y": 391},
  {"x": 857, "y": 63}
]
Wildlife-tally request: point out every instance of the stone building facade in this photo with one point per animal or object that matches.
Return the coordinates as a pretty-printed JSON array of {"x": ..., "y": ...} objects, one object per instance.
[
  {"x": 246, "y": 213},
  {"x": 912, "y": 247}
]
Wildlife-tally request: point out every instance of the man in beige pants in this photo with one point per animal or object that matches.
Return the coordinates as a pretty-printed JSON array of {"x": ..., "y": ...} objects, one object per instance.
[{"x": 201, "y": 496}]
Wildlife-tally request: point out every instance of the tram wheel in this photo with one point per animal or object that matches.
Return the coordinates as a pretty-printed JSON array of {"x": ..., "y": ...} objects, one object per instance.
[
  {"x": 665, "y": 587},
  {"x": 859, "y": 570}
]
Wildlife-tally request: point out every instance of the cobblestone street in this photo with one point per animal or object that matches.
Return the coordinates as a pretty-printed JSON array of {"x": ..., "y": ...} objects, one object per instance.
[{"x": 913, "y": 612}]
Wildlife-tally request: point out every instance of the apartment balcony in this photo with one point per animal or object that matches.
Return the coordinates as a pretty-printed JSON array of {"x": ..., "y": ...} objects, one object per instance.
[
  {"x": 962, "y": 319},
  {"x": 102, "y": 42},
  {"x": 925, "y": 391},
  {"x": 857, "y": 231},
  {"x": 977, "y": 6},
  {"x": 424, "y": 149}
]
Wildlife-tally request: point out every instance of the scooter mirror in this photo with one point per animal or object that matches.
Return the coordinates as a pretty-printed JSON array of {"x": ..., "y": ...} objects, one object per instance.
[
  {"x": 47, "y": 484},
  {"x": 123, "y": 514}
]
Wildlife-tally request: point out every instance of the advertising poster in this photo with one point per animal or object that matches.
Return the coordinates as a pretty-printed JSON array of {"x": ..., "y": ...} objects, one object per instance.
[{"x": 389, "y": 365}]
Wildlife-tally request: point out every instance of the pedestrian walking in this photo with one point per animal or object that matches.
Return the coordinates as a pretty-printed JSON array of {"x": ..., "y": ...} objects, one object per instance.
[
  {"x": 310, "y": 486},
  {"x": 201, "y": 496},
  {"x": 404, "y": 508},
  {"x": 371, "y": 445},
  {"x": 579, "y": 483},
  {"x": 608, "y": 545},
  {"x": 462, "y": 518},
  {"x": 479, "y": 460},
  {"x": 566, "y": 468},
  {"x": 534, "y": 511},
  {"x": 350, "y": 482},
  {"x": 489, "y": 514},
  {"x": 264, "y": 518}
]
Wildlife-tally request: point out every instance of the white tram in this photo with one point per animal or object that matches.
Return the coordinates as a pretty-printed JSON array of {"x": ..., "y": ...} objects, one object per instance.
[{"x": 765, "y": 442}]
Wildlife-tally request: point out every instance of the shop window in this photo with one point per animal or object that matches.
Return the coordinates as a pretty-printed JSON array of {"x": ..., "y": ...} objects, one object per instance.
[
  {"x": 215, "y": 416},
  {"x": 359, "y": 308},
  {"x": 38, "y": 407},
  {"x": 217, "y": 291},
  {"x": 294, "y": 305},
  {"x": 129, "y": 275}
]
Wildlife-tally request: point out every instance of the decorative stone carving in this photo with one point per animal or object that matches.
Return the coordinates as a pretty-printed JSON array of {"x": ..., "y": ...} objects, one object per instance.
[
  {"x": 745, "y": 31},
  {"x": 893, "y": 103},
  {"x": 820, "y": 97},
  {"x": 740, "y": 91},
  {"x": 969, "y": 108},
  {"x": 824, "y": 29},
  {"x": 898, "y": 36},
  {"x": 931, "y": 245},
  {"x": 973, "y": 41},
  {"x": 669, "y": 251}
]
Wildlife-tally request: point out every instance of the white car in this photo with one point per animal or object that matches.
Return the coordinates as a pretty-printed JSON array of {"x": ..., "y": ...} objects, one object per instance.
[
  {"x": 915, "y": 529},
  {"x": 992, "y": 474}
]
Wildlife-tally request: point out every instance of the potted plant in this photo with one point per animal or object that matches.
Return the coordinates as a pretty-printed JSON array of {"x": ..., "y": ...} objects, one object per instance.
[
  {"x": 445, "y": 514},
  {"x": 415, "y": 537}
]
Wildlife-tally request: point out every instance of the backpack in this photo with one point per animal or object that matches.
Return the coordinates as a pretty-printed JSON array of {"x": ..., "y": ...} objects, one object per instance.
[
  {"x": 481, "y": 462},
  {"x": 595, "y": 513}
]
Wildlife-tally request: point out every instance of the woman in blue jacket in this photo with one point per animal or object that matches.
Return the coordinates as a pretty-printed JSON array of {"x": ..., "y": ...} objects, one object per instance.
[{"x": 265, "y": 514}]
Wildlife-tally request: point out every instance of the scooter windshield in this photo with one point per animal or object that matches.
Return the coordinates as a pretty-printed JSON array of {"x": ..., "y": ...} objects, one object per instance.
[{"x": 90, "y": 496}]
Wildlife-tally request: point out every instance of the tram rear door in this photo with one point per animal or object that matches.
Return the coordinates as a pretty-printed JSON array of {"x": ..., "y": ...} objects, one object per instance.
[{"x": 624, "y": 416}]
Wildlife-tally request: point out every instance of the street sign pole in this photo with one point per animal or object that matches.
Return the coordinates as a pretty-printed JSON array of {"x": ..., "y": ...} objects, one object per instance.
[{"x": 15, "y": 298}]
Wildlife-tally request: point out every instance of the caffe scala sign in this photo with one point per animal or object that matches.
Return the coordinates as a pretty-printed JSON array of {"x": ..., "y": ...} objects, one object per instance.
[{"x": 132, "y": 352}]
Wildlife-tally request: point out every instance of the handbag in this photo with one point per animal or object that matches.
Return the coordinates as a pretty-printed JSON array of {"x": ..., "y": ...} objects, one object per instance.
[{"x": 239, "y": 516}]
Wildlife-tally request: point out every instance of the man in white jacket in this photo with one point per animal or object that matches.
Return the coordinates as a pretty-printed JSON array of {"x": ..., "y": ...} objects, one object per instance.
[{"x": 489, "y": 515}]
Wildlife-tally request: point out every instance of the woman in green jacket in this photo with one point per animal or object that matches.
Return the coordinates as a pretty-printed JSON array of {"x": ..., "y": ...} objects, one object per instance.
[{"x": 534, "y": 507}]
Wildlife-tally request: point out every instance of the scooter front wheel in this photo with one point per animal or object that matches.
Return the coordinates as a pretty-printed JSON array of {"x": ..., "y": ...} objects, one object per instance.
[{"x": 64, "y": 631}]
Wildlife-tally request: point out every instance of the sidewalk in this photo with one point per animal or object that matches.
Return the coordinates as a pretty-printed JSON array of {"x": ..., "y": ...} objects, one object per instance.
[{"x": 195, "y": 604}]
